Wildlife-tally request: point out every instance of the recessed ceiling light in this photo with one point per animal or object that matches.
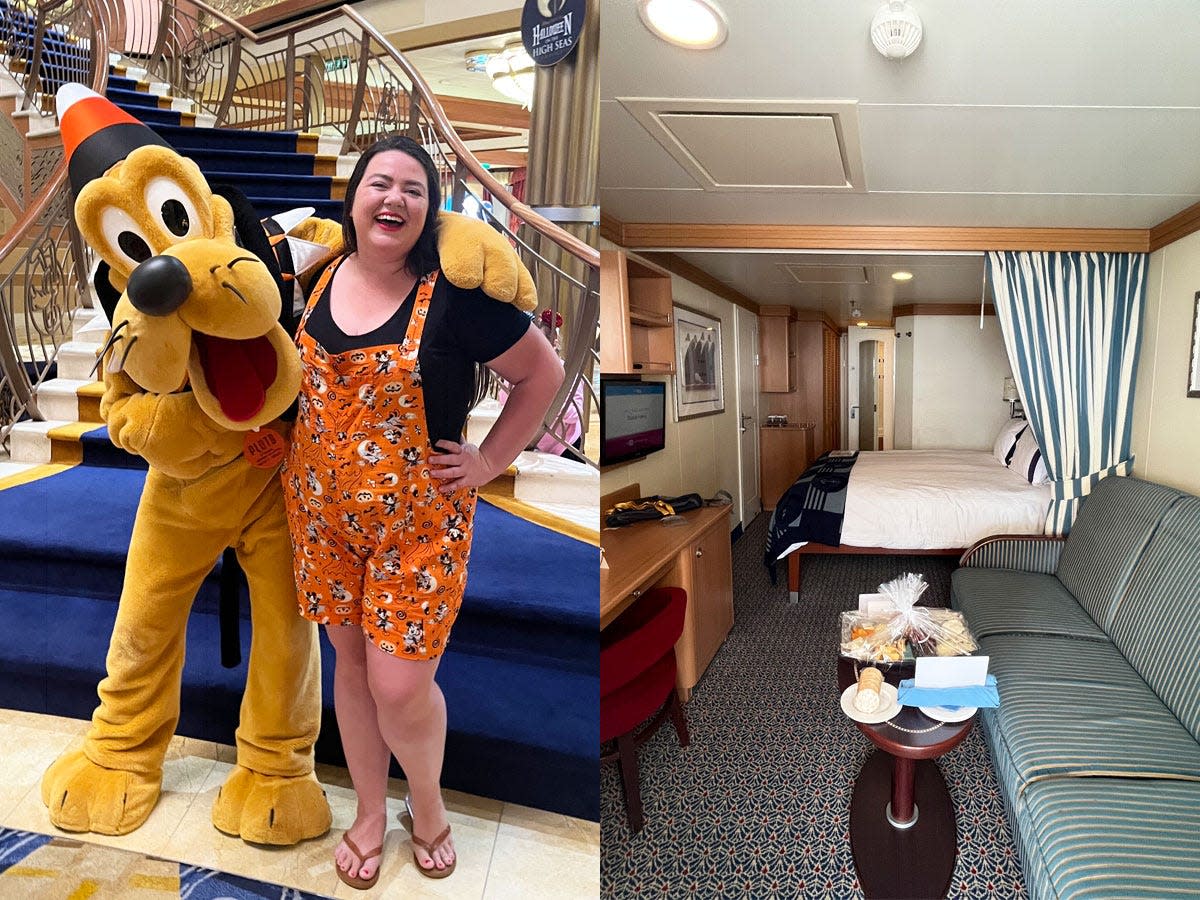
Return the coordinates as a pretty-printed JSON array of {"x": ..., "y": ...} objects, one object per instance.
[
  {"x": 864, "y": 324},
  {"x": 695, "y": 24},
  {"x": 902, "y": 276}
]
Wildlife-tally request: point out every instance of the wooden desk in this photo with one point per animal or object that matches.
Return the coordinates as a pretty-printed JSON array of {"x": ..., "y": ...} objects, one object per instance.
[{"x": 696, "y": 557}]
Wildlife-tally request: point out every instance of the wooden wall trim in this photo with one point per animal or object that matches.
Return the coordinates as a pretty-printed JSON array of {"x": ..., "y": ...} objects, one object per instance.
[
  {"x": 699, "y": 277},
  {"x": 1178, "y": 226},
  {"x": 637, "y": 235},
  {"x": 941, "y": 309},
  {"x": 612, "y": 229}
]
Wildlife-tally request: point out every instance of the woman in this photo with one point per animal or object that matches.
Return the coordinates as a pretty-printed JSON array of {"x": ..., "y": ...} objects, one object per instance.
[{"x": 381, "y": 490}]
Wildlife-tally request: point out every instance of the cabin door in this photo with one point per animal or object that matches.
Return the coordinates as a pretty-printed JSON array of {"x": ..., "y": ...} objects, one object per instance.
[
  {"x": 869, "y": 396},
  {"x": 745, "y": 326}
]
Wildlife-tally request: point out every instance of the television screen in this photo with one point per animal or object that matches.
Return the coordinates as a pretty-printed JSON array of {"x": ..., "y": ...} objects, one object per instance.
[{"x": 632, "y": 419}]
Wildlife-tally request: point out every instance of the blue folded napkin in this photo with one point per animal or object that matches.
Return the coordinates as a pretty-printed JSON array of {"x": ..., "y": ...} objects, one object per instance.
[{"x": 950, "y": 697}]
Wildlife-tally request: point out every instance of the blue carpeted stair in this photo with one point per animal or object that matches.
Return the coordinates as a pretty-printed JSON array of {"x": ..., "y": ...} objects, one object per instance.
[{"x": 520, "y": 675}]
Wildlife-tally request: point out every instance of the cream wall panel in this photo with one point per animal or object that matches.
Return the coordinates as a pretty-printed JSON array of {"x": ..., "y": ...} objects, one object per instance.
[
  {"x": 958, "y": 376},
  {"x": 1166, "y": 422}
]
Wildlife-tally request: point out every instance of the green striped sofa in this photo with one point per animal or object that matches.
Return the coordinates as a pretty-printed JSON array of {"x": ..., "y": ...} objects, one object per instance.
[{"x": 1095, "y": 644}]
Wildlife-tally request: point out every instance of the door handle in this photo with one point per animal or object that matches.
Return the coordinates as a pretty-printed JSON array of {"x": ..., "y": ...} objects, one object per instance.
[
  {"x": 746, "y": 419},
  {"x": 853, "y": 412}
]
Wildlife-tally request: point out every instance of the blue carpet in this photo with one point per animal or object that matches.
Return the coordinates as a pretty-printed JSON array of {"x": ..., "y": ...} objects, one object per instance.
[
  {"x": 520, "y": 675},
  {"x": 76, "y": 868}
]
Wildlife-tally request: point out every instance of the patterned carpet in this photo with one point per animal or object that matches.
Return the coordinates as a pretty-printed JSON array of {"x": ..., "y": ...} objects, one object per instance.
[
  {"x": 42, "y": 867},
  {"x": 759, "y": 804}
]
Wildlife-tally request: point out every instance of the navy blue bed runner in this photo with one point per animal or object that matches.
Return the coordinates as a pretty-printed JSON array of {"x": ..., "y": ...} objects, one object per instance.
[{"x": 813, "y": 507}]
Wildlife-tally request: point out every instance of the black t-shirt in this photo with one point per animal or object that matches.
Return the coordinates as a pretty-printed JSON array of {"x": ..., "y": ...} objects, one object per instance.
[{"x": 464, "y": 327}]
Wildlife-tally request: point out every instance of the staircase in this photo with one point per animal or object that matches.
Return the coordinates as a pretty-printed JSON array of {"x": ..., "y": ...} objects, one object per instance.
[{"x": 521, "y": 675}]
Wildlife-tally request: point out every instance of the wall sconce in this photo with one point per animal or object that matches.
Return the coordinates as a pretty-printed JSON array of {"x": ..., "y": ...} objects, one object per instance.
[{"x": 1011, "y": 397}]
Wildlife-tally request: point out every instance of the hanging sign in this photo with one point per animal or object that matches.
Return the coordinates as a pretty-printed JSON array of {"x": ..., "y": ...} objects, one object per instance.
[{"x": 550, "y": 28}]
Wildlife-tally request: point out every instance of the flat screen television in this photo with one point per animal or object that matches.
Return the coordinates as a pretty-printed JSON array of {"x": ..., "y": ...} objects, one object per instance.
[{"x": 632, "y": 419}]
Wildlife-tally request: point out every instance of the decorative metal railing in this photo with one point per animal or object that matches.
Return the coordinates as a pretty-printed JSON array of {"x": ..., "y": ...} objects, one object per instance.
[
  {"x": 44, "y": 263},
  {"x": 335, "y": 75}
]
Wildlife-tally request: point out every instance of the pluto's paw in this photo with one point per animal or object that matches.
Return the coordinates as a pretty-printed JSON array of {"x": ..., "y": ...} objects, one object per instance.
[
  {"x": 271, "y": 809},
  {"x": 83, "y": 796}
]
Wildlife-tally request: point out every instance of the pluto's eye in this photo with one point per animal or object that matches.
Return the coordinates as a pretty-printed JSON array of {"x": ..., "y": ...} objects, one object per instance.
[
  {"x": 133, "y": 246},
  {"x": 128, "y": 244},
  {"x": 171, "y": 206},
  {"x": 175, "y": 217}
]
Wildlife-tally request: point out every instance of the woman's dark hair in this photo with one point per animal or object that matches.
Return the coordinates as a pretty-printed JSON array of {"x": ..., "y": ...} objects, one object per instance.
[{"x": 424, "y": 255}]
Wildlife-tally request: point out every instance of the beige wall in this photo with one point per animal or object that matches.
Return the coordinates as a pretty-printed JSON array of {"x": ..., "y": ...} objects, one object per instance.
[
  {"x": 701, "y": 453},
  {"x": 1166, "y": 422},
  {"x": 958, "y": 376}
]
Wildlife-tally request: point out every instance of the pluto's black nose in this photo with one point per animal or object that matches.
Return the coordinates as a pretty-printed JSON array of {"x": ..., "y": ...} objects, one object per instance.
[{"x": 159, "y": 285}]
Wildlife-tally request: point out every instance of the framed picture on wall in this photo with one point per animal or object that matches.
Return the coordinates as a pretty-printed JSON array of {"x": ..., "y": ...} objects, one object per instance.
[
  {"x": 699, "y": 385},
  {"x": 1193, "y": 389}
]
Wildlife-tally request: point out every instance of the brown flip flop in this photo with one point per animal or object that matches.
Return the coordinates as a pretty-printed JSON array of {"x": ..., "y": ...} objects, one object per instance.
[
  {"x": 353, "y": 880},
  {"x": 433, "y": 871}
]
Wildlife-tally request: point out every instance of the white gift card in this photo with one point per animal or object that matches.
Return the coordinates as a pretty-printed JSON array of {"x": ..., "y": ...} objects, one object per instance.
[
  {"x": 875, "y": 604},
  {"x": 950, "y": 671}
]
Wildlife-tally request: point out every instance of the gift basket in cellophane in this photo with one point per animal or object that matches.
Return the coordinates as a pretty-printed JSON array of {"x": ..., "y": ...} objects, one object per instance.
[{"x": 906, "y": 631}]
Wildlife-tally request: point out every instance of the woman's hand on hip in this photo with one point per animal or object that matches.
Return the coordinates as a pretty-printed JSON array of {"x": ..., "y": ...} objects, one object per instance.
[{"x": 460, "y": 466}]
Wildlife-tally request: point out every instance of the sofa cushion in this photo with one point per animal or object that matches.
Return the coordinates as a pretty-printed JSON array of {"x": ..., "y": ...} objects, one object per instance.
[
  {"x": 1157, "y": 623},
  {"x": 1114, "y": 524},
  {"x": 1003, "y": 601},
  {"x": 1070, "y": 706},
  {"x": 1114, "y": 837}
]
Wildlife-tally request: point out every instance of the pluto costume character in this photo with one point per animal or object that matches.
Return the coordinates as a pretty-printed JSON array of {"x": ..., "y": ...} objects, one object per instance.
[{"x": 198, "y": 371}]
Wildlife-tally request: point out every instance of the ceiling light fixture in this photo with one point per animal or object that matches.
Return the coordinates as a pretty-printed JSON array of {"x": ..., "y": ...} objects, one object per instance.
[
  {"x": 864, "y": 324},
  {"x": 896, "y": 29},
  {"x": 511, "y": 70},
  {"x": 694, "y": 24},
  {"x": 855, "y": 311},
  {"x": 902, "y": 276}
]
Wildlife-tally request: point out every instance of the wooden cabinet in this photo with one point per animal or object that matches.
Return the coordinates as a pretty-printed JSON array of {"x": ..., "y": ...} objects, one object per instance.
[
  {"x": 705, "y": 571},
  {"x": 695, "y": 556},
  {"x": 820, "y": 383},
  {"x": 777, "y": 354},
  {"x": 784, "y": 453},
  {"x": 637, "y": 328},
  {"x": 816, "y": 399}
]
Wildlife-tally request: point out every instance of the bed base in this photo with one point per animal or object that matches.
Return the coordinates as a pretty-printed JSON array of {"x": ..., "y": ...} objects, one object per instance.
[{"x": 812, "y": 547}]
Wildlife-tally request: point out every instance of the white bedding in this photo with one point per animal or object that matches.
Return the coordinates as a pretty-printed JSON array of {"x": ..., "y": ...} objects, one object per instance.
[{"x": 937, "y": 499}]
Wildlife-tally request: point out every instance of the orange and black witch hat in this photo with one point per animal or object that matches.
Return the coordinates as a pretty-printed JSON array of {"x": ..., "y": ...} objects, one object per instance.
[{"x": 96, "y": 133}]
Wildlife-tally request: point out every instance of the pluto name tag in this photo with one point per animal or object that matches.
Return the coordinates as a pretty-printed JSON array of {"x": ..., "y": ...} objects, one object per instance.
[{"x": 263, "y": 448}]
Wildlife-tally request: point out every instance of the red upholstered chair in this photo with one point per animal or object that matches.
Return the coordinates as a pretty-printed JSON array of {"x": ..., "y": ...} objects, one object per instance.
[{"x": 637, "y": 678}]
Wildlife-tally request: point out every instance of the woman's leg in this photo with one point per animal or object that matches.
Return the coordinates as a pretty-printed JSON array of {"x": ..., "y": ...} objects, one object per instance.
[
  {"x": 412, "y": 718},
  {"x": 367, "y": 754}
]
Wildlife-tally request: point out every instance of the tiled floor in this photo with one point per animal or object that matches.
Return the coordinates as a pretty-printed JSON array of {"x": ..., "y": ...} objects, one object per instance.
[{"x": 504, "y": 850}]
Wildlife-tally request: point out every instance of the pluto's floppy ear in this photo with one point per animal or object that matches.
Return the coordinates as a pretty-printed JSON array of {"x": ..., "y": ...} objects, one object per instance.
[{"x": 107, "y": 294}]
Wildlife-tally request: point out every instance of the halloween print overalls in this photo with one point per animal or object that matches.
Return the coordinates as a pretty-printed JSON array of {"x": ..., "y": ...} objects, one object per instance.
[{"x": 377, "y": 544}]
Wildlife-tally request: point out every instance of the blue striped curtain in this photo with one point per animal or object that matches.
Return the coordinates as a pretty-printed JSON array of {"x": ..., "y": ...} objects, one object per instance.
[{"x": 1072, "y": 325}]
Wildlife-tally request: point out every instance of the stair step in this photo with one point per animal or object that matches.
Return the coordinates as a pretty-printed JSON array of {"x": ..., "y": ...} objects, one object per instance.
[
  {"x": 211, "y": 159},
  {"x": 292, "y": 187},
  {"x": 77, "y": 360},
  {"x": 184, "y": 139},
  {"x": 547, "y": 478},
  {"x": 70, "y": 399},
  {"x": 89, "y": 325}
]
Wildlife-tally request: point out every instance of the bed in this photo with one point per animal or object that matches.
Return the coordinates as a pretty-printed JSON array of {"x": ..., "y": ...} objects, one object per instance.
[{"x": 924, "y": 502}]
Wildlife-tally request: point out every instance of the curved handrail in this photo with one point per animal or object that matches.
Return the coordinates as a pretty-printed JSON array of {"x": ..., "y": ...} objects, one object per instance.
[
  {"x": 42, "y": 247},
  {"x": 543, "y": 226}
]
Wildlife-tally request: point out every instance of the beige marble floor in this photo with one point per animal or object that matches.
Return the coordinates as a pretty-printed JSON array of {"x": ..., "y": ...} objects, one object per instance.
[{"x": 505, "y": 850}]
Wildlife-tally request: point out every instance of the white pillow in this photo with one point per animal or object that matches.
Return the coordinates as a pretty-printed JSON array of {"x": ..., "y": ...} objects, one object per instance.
[
  {"x": 1006, "y": 440},
  {"x": 1027, "y": 459}
]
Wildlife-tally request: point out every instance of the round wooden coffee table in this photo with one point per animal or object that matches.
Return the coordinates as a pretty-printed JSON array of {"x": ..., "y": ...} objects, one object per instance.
[{"x": 902, "y": 830}]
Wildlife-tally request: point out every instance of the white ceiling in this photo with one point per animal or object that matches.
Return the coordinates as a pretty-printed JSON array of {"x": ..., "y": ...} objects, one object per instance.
[{"x": 1026, "y": 113}]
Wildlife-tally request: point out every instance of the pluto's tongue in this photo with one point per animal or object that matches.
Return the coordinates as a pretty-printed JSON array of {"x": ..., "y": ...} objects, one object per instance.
[{"x": 238, "y": 373}]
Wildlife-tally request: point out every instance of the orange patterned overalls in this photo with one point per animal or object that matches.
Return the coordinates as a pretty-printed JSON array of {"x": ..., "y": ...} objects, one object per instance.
[{"x": 377, "y": 544}]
